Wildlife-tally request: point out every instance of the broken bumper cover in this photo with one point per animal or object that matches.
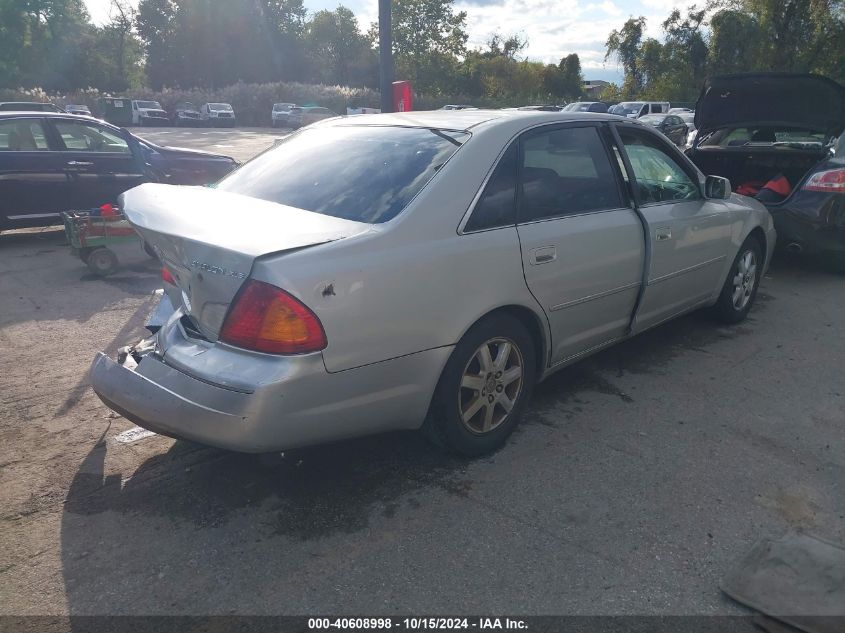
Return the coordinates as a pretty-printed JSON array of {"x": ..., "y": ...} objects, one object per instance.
[
  {"x": 279, "y": 403},
  {"x": 139, "y": 396}
]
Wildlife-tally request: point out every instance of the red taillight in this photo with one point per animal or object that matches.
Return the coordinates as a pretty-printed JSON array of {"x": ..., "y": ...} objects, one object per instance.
[
  {"x": 167, "y": 276},
  {"x": 830, "y": 181},
  {"x": 266, "y": 319}
]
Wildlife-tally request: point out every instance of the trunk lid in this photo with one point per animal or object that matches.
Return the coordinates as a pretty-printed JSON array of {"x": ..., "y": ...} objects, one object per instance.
[
  {"x": 209, "y": 240},
  {"x": 786, "y": 99}
]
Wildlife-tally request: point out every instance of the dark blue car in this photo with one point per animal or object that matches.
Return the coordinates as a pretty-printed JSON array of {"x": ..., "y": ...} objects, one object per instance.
[
  {"x": 54, "y": 162},
  {"x": 779, "y": 138}
]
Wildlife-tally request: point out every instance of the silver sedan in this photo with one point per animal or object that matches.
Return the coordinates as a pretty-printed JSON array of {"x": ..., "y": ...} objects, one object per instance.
[{"x": 421, "y": 270}]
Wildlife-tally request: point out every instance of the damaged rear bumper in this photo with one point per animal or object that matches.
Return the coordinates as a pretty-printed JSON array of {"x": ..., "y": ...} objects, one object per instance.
[
  {"x": 226, "y": 397},
  {"x": 210, "y": 415}
]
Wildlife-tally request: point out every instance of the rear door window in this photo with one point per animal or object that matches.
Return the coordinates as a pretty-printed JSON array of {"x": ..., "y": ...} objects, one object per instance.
[
  {"x": 497, "y": 205},
  {"x": 565, "y": 171},
  {"x": 22, "y": 135}
]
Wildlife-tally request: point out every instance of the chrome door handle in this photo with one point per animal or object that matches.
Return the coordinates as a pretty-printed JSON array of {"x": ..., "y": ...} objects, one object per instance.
[
  {"x": 79, "y": 163},
  {"x": 663, "y": 234},
  {"x": 543, "y": 255}
]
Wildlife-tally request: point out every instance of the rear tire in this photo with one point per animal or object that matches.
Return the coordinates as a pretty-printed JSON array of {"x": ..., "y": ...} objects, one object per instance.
[
  {"x": 102, "y": 261},
  {"x": 484, "y": 387},
  {"x": 741, "y": 285}
]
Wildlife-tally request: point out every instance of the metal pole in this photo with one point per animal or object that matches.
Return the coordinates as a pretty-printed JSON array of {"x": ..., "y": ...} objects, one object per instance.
[{"x": 385, "y": 46}]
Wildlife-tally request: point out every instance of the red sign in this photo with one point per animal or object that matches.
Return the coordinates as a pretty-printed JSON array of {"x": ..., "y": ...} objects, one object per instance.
[{"x": 402, "y": 99}]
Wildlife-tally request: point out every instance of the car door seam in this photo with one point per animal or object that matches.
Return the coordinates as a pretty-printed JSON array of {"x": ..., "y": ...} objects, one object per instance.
[{"x": 647, "y": 241}]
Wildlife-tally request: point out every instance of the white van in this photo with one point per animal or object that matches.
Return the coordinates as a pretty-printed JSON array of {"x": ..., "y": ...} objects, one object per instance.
[
  {"x": 217, "y": 114},
  {"x": 148, "y": 113},
  {"x": 636, "y": 109}
]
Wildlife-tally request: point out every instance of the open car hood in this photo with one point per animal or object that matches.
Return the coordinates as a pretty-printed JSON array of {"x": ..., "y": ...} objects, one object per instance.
[{"x": 784, "y": 99}]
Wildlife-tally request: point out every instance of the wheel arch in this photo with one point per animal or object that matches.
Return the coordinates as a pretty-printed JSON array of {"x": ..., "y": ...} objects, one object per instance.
[
  {"x": 760, "y": 235},
  {"x": 534, "y": 323}
]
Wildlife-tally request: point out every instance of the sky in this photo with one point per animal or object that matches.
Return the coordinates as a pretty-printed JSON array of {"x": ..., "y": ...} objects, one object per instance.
[{"x": 553, "y": 28}]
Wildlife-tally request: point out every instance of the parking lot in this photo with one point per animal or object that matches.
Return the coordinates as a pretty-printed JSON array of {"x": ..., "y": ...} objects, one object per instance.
[
  {"x": 638, "y": 479},
  {"x": 241, "y": 143}
]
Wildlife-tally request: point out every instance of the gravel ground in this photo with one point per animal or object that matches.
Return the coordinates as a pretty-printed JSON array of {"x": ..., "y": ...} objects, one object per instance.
[{"x": 639, "y": 477}]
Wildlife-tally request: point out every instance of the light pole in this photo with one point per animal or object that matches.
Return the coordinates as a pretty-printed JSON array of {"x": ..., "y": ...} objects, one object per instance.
[{"x": 385, "y": 55}]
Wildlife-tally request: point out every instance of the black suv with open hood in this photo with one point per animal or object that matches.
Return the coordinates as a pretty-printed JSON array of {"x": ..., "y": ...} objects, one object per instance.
[{"x": 779, "y": 137}]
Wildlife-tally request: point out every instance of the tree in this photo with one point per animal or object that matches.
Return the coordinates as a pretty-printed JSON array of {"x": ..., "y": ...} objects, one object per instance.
[
  {"x": 735, "y": 38},
  {"x": 428, "y": 38},
  {"x": 339, "y": 52},
  {"x": 571, "y": 79},
  {"x": 624, "y": 44},
  {"x": 156, "y": 24}
]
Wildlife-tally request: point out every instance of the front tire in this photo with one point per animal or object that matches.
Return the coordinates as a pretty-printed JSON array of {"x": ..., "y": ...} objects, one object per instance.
[
  {"x": 740, "y": 287},
  {"x": 484, "y": 387}
]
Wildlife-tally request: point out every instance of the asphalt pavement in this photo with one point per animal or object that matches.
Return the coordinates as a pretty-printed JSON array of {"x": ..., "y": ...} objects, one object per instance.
[{"x": 638, "y": 479}]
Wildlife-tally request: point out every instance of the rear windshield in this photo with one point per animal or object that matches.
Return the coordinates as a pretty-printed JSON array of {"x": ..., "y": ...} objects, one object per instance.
[
  {"x": 653, "y": 119},
  {"x": 219, "y": 106},
  {"x": 362, "y": 173},
  {"x": 743, "y": 136},
  {"x": 149, "y": 105}
]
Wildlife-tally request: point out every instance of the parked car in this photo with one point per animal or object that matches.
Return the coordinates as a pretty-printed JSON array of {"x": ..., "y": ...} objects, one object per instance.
[
  {"x": 778, "y": 137},
  {"x": 28, "y": 106},
  {"x": 218, "y": 115},
  {"x": 636, "y": 109},
  {"x": 669, "y": 124},
  {"x": 349, "y": 296},
  {"x": 84, "y": 110},
  {"x": 681, "y": 110},
  {"x": 280, "y": 114},
  {"x": 586, "y": 106},
  {"x": 186, "y": 114},
  {"x": 689, "y": 119},
  {"x": 148, "y": 113},
  {"x": 52, "y": 162},
  {"x": 541, "y": 108},
  {"x": 306, "y": 115}
]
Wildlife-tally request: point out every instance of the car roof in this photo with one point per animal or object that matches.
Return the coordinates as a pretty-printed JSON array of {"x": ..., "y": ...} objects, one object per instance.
[
  {"x": 29, "y": 114},
  {"x": 465, "y": 120}
]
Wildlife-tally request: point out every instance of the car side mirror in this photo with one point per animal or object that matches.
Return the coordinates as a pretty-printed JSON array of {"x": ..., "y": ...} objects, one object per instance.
[{"x": 717, "y": 188}]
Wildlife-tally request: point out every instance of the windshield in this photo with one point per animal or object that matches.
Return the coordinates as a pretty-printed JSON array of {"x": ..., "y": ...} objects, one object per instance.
[
  {"x": 578, "y": 107},
  {"x": 149, "y": 105},
  {"x": 281, "y": 107},
  {"x": 221, "y": 106},
  {"x": 362, "y": 173},
  {"x": 652, "y": 119},
  {"x": 629, "y": 108}
]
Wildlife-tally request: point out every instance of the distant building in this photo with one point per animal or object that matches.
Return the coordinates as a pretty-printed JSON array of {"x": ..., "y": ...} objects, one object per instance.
[{"x": 594, "y": 87}]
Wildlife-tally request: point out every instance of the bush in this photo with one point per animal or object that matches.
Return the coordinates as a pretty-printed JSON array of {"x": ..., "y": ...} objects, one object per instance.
[{"x": 253, "y": 102}]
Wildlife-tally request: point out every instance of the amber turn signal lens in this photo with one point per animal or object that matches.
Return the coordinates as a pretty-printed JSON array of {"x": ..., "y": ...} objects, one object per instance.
[{"x": 264, "y": 318}]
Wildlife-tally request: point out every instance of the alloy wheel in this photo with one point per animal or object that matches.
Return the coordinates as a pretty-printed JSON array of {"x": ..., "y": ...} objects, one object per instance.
[
  {"x": 745, "y": 278},
  {"x": 490, "y": 385}
]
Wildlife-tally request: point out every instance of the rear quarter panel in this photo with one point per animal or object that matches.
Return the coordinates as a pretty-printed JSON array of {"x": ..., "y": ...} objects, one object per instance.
[{"x": 413, "y": 283}]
